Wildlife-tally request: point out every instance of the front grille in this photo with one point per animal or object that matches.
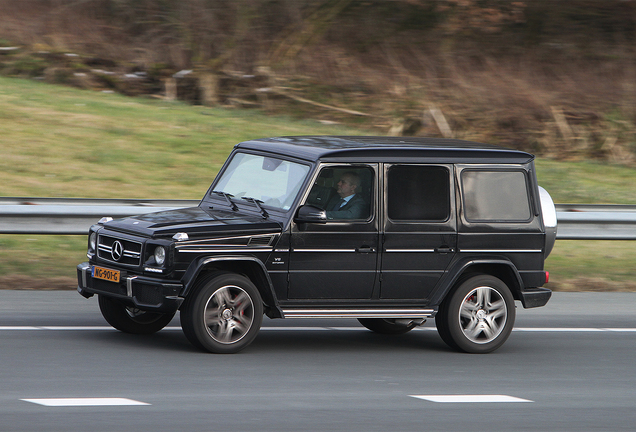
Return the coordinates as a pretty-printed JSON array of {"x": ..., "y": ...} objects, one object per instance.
[{"x": 119, "y": 250}]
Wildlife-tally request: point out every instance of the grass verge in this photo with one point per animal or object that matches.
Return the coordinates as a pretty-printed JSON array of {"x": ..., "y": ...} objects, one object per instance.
[
  {"x": 48, "y": 262},
  {"x": 62, "y": 142},
  {"x": 598, "y": 265}
]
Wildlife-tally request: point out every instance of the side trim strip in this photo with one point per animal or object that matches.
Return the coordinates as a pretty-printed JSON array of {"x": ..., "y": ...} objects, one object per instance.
[
  {"x": 411, "y": 250},
  {"x": 358, "y": 313},
  {"x": 194, "y": 249},
  {"x": 501, "y": 250},
  {"x": 220, "y": 240},
  {"x": 412, "y": 271},
  {"x": 325, "y": 250},
  {"x": 331, "y": 271}
]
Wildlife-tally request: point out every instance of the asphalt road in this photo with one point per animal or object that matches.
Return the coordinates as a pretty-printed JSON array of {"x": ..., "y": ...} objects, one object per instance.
[{"x": 570, "y": 367}]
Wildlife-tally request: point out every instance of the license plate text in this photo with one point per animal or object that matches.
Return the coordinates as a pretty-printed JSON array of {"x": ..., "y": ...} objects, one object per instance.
[{"x": 106, "y": 274}]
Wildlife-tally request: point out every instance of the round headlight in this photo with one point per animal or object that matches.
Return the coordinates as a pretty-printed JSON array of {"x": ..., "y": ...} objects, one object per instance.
[
  {"x": 92, "y": 242},
  {"x": 160, "y": 255}
]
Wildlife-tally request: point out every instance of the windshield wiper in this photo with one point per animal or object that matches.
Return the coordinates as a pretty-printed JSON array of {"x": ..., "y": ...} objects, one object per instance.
[
  {"x": 257, "y": 203},
  {"x": 227, "y": 197}
]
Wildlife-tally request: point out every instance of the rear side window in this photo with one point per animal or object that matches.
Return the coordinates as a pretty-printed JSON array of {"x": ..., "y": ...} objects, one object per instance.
[
  {"x": 418, "y": 193},
  {"x": 495, "y": 196}
]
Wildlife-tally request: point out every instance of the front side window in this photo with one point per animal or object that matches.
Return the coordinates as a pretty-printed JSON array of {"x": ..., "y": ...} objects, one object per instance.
[
  {"x": 495, "y": 196},
  {"x": 344, "y": 192},
  {"x": 418, "y": 193},
  {"x": 273, "y": 181}
]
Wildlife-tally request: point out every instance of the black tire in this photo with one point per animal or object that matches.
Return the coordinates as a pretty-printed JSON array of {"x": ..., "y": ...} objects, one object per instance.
[
  {"x": 442, "y": 329},
  {"x": 386, "y": 326},
  {"x": 478, "y": 316},
  {"x": 131, "y": 320},
  {"x": 223, "y": 314}
]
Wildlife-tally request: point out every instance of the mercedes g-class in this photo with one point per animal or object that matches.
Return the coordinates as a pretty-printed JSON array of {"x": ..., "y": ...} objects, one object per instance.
[{"x": 389, "y": 230}]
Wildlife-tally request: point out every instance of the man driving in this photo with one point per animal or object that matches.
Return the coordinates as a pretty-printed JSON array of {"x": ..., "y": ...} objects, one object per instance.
[{"x": 348, "y": 204}]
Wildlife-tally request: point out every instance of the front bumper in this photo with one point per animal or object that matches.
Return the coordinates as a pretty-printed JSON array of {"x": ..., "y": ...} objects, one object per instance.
[{"x": 141, "y": 292}]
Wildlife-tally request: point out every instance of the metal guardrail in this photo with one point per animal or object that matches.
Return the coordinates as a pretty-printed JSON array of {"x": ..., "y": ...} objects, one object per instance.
[
  {"x": 75, "y": 216},
  {"x": 72, "y": 215},
  {"x": 596, "y": 225},
  {"x": 174, "y": 203}
]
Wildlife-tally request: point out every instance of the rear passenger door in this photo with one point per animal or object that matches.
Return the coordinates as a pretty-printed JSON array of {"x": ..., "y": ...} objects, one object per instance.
[{"x": 420, "y": 236}]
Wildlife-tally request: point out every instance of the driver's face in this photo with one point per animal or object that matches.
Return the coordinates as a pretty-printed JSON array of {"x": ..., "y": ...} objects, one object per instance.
[{"x": 345, "y": 188}]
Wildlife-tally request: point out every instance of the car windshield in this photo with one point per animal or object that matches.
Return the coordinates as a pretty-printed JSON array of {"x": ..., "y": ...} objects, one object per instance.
[{"x": 274, "y": 182}]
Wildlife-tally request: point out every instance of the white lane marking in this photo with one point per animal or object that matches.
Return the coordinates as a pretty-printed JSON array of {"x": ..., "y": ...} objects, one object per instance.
[
  {"x": 68, "y": 328},
  {"x": 559, "y": 329},
  {"x": 470, "y": 398},
  {"x": 82, "y": 328},
  {"x": 282, "y": 328},
  {"x": 301, "y": 328},
  {"x": 78, "y": 402}
]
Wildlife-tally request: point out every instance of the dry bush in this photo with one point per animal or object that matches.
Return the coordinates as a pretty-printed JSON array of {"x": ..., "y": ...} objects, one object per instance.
[{"x": 550, "y": 77}]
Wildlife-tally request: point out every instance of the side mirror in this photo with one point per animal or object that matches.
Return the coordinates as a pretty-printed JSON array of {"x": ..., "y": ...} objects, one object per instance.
[{"x": 311, "y": 214}]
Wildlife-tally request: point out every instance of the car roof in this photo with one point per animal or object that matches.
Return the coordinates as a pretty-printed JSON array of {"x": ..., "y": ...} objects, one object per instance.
[{"x": 386, "y": 149}]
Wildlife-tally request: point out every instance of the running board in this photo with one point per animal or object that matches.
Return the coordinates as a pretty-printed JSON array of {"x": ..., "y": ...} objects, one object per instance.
[{"x": 357, "y": 313}]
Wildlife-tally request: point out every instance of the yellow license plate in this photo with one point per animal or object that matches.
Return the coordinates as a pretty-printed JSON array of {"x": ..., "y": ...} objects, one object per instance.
[{"x": 106, "y": 274}]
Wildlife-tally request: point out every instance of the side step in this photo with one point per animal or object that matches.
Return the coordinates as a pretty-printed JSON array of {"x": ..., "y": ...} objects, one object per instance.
[{"x": 357, "y": 313}]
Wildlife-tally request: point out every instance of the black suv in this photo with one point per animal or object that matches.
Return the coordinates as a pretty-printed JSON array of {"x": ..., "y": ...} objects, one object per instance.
[{"x": 390, "y": 231}]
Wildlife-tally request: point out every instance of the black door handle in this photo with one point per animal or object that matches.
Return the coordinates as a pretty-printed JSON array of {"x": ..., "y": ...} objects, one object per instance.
[
  {"x": 365, "y": 249},
  {"x": 444, "y": 250}
]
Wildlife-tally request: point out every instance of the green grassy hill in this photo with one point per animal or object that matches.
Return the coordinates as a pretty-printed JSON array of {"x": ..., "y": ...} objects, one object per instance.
[
  {"x": 62, "y": 142},
  {"x": 58, "y": 141}
]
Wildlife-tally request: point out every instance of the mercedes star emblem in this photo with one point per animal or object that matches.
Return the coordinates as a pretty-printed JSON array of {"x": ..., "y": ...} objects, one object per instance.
[{"x": 117, "y": 251}]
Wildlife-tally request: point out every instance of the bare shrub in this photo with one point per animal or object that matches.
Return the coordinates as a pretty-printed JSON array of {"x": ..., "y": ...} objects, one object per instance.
[{"x": 497, "y": 70}]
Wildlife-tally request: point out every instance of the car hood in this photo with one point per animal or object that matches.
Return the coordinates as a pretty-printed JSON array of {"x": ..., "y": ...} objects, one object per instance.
[{"x": 195, "y": 221}]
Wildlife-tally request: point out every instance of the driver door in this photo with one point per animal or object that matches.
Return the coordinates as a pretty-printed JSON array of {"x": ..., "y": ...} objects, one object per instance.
[{"x": 337, "y": 259}]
